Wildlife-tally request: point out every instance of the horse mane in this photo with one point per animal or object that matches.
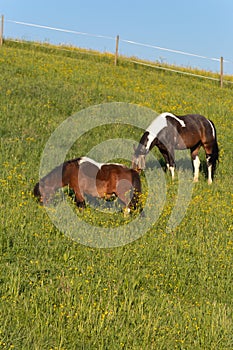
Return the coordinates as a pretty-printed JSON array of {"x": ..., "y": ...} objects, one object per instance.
[{"x": 141, "y": 146}]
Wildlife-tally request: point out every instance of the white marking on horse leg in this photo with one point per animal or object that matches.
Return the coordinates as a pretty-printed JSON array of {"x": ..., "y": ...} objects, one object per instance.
[
  {"x": 196, "y": 165},
  {"x": 209, "y": 167},
  {"x": 172, "y": 170},
  {"x": 126, "y": 211},
  {"x": 210, "y": 174}
]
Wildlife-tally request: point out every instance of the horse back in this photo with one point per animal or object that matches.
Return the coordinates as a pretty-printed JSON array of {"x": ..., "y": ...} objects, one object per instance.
[
  {"x": 196, "y": 129},
  {"x": 114, "y": 176}
]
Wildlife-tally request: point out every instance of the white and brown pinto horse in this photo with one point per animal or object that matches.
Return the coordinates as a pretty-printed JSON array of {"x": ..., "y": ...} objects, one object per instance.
[
  {"x": 170, "y": 132},
  {"x": 88, "y": 177}
]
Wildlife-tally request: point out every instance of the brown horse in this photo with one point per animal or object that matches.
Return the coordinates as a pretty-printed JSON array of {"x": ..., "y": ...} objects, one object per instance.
[
  {"x": 170, "y": 132},
  {"x": 87, "y": 177}
]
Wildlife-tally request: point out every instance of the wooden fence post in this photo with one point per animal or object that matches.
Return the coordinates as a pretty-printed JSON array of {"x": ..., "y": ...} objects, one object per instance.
[
  {"x": 221, "y": 72},
  {"x": 117, "y": 47},
  {"x": 1, "y": 30}
]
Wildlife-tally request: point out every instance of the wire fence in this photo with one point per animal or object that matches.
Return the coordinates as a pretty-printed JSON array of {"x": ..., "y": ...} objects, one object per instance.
[{"x": 119, "y": 41}]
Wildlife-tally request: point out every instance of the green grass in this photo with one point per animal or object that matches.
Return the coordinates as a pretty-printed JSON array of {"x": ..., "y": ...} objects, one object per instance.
[{"x": 166, "y": 290}]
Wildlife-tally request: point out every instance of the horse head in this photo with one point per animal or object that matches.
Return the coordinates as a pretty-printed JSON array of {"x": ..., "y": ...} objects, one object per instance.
[
  {"x": 41, "y": 193},
  {"x": 138, "y": 161}
]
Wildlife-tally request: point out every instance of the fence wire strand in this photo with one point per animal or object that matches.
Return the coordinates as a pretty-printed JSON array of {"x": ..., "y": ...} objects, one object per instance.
[{"x": 134, "y": 43}]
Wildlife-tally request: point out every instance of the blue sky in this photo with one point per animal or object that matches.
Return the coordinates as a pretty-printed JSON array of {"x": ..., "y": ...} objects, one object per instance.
[{"x": 202, "y": 27}]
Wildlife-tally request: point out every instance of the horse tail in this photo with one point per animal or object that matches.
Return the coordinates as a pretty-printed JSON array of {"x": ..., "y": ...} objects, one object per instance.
[
  {"x": 212, "y": 158},
  {"x": 36, "y": 190},
  {"x": 215, "y": 151},
  {"x": 215, "y": 154}
]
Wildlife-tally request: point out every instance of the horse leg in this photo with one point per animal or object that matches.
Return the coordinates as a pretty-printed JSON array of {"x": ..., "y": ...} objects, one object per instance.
[
  {"x": 134, "y": 200},
  {"x": 209, "y": 168},
  {"x": 80, "y": 204},
  {"x": 172, "y": 170},
  {"x": 171, "y": 162},
  {"x": 196, "y": 162},
  {"x": 169, "y": 159},
  {"x": 211, "y": 158},
  {"x": 124, "y": 192},
  {"x": 79, "y": 199},
  {"x": 123, "y": 198},
  {"x": 196, "y": 165}
]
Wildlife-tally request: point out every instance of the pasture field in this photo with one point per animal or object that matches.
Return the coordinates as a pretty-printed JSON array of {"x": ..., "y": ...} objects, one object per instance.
[{"x": 163, "y": 291}]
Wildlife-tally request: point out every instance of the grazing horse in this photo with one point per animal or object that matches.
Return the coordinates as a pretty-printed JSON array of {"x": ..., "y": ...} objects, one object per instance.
[
  {"x": 87, "y": 177},
  {"x": 170, "y": 132}
]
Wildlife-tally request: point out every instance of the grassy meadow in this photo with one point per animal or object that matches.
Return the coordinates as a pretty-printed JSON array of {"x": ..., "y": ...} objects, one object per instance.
[{"x": 163, "y": 291}]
